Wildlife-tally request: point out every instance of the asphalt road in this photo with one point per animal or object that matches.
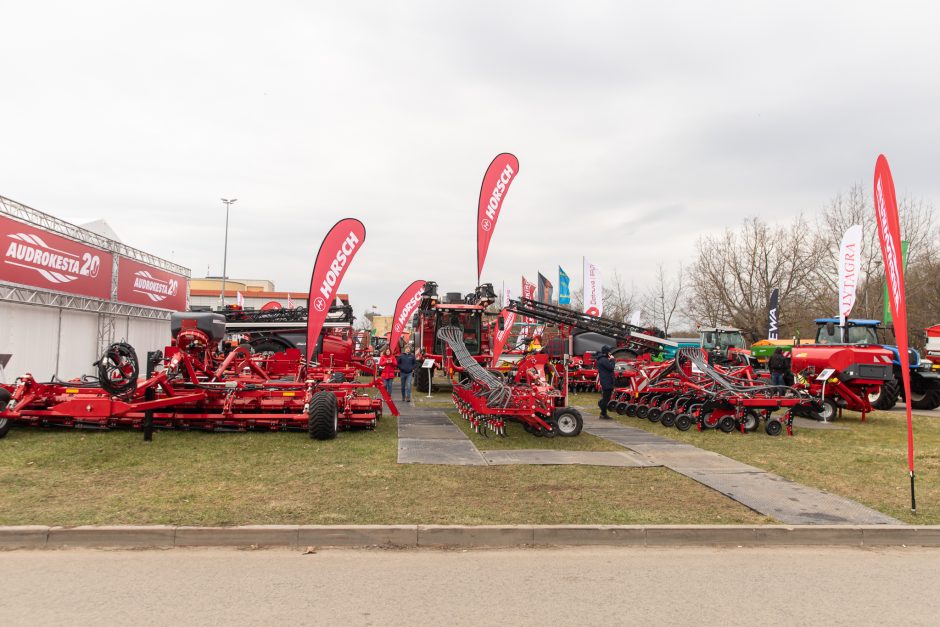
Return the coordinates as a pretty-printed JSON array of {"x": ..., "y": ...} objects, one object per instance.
[{"x": 577, "y": 586}]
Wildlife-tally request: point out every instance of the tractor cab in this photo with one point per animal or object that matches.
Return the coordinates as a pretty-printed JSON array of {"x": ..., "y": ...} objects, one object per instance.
[
  {"x": 721, "y": 340},
  {"x": 858, "y": 332}
]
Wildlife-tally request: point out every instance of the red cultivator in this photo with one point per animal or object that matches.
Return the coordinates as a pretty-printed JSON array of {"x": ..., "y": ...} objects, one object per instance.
[
  {"x": 533, "y": 394},
  {"x": 688, "y": 391},
  {"x": 199, "y": 388}
]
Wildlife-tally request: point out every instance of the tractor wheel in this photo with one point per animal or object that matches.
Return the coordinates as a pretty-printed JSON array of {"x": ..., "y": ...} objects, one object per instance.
[
  {"x": 668, "y": 418},
  {"x": 751, "y": 420},
  {"x": 683, "y": 422},
  {"x": 887, "y": 396},
  {"x": 621, "y": 408},
  {"x": 568, "y": 422},
  {"x": 827, "y": 411},
  {"x": 653, "y": 414},
  {"x": 773, "y": 427},
  {"x": 925, "y": 400},
  {"x": 727, "y": 423},
  {"x": 5, "y": 423},
  {"x": 423, "y": 379},
  {"x": 642, "y": 411},
  {"x": 270, "y": 345},
  {"x": 322, "y": 419},
  {"x": 630, "y": 409}
]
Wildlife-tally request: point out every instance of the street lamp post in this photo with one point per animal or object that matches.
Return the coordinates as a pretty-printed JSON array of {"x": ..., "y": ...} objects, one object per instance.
[{"x": 228, "y": 203}]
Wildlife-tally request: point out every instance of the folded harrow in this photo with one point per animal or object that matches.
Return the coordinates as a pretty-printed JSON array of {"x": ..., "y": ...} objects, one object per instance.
[{"x": 532, "y": 394}]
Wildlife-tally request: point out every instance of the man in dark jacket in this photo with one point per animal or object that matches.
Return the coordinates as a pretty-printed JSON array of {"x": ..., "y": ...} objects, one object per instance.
[
  {"x": 605, "y": 372},
  {"x": 778, "y": 366},
  {"x": 406, "y": 367}
]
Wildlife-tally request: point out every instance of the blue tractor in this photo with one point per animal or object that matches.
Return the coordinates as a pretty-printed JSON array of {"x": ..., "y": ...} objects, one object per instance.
[{"x": 925, "y": 376}]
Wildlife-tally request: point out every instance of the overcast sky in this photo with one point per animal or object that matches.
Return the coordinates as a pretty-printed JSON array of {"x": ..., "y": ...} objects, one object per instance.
[{"x": 638, "y": 126}]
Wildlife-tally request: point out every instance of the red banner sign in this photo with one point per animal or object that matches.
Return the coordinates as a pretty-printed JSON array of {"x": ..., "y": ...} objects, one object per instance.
[
  {"x": 889, "y": 232},
  {"x": 38, "y": 258},
  {"x": 499, "y": 176},
  {"x": 143, "y": 284},
  {"x": 404, "y": 308},
  {"x": 336, "y": 252},
  {"x": 499, "y": 342}
]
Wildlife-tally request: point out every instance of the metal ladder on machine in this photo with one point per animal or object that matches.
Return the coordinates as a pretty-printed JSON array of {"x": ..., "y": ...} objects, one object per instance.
[{"x": 633, "y": 337}]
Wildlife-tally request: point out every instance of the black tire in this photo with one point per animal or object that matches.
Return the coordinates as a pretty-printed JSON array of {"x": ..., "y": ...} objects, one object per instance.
[
  {"x": 630, "y": 409},
  {"x": 568, "y": 422},
  {"x": 5, "y": 423},
  {"x": 322, "y": 419},
  {"x": 705, "y": 419},
  {"x": 642, "y": 411},
  {"x": 727, "y": 423},
  {"x": 668, "y": 418},
  {"x": 621, "y": 408},
  {"x": 683, "y": 422},
  {"x": 773, "y": 427},
  {"x": 929, "y": 399},
  {"x": 270, "y": 345},
  {"x": 828, "y": 410},
  {"x": 653, "y": 414},
  {"x": 423, "y": 379},
  {"x": 887, "y": 396},
  {"x": 751, "y": 420}
]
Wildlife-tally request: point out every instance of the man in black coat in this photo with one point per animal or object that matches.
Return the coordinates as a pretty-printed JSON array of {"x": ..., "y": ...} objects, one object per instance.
[
  {"x": 605, "y": 373},
  {"x": 406, "y": 367}
]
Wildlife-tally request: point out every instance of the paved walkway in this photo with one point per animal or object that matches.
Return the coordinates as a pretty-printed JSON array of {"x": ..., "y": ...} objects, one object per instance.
[{"x": 764, "y": 492}]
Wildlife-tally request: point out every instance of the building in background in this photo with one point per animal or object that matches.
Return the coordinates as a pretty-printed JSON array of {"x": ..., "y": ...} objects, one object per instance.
[{"x": 67, "y": 292}]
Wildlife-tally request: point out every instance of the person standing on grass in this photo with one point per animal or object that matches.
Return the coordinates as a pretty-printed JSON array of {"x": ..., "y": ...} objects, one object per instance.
[
  {"x": 778, "y": 366},
  {"x": 406, "y": 367},
  {"x": 605, "y": 373},
  {"x": 387, "y": 369}
]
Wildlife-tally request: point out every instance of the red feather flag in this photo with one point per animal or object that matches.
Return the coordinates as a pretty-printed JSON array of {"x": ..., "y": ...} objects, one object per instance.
[
  {"x": 499, "y": 341},
  {"x": 406, "y": 305},
  {"x": 499, "y": 176},
  {"x": 889, "y": 232},
  {"x": 336, "y": 253}
]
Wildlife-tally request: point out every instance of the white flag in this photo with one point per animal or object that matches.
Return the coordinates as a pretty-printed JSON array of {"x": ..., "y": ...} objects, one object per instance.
[
  {"x": 290, "y": 301},
  {"x": 635, "y": 319},
  {"x": 240, "y": 299},
  {"x": 593, "y": 290},
  {"x": 507, "y": 296},
  {"x": 849, "y": 256}
]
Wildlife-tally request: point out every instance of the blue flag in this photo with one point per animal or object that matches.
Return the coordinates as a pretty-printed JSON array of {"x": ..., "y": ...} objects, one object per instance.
[{"x": 564, "y": 292}]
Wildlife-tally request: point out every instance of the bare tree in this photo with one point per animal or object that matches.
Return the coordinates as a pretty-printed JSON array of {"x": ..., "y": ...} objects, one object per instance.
[{"x": 664, "y": 298}]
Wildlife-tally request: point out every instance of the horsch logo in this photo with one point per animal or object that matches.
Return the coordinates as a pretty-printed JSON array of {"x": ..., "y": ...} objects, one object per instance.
[
  {"x": 496, "y": 197},
  {"x": 157, "y": 290},
  {"x": 336, "y": 269},
  {"x": 408, "y": 309},
  {"x": 56, "y": 266}
]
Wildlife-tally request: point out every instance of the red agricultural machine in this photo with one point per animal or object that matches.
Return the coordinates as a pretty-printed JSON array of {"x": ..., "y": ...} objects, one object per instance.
[
  {"x": 457, "y": 311},
  {"x": 533, "y": 393},
  {"x": 688, "y": 391},
  {"x": 193, "y": 385}
]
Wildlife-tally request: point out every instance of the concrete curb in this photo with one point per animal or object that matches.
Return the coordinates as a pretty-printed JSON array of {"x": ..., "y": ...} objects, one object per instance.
[{"x": 459, "y": 536}]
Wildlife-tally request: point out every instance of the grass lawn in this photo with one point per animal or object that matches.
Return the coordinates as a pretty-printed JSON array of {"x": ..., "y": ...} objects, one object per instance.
[
  {"x": 71, "y": 477},
  {"x": 867, "y": 462}
]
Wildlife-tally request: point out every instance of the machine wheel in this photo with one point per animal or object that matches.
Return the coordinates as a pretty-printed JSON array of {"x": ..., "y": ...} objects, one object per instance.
[
  {"x": 269, "y": 345},
  {"x": 668, "y": 418},
  {"x": 5, "y": 423},
  {"x": 727, "y": 423},
  {"x": 707, "y": 422},
  {"x": 653, "y": 414},
  {"x": 683, "y": 422},
  {"x": 569, "y": 422},
  {"x": 828, "y": 410},
  {"x": 423, "y": 379},
  {"x": 751, "y": 420},
  {"x": 887, "y": 396},
  {"x": 642, "y": 411},
  {"x": 322, "y": 419},
  {"x": 621, "y": 408},
  {"x": 630, "y": 410},
  {"x": 773, "y": 427},
  {"x": 925, "y": 400}
]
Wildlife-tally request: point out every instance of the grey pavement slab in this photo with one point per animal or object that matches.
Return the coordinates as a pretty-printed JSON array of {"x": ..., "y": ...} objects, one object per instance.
[
  {"x": 430, "y": 432},
  {"x": 764, "y": 492},
  {"x": 445, "y": 452},
  {"x": 551, "y": 457}
]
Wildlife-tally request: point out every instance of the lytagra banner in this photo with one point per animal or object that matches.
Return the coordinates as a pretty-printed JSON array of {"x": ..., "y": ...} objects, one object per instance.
[
  {"x": 39, "y": 258},
  {"x": 336, "y": 252},
  {"x": 143, "y": 284}
]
